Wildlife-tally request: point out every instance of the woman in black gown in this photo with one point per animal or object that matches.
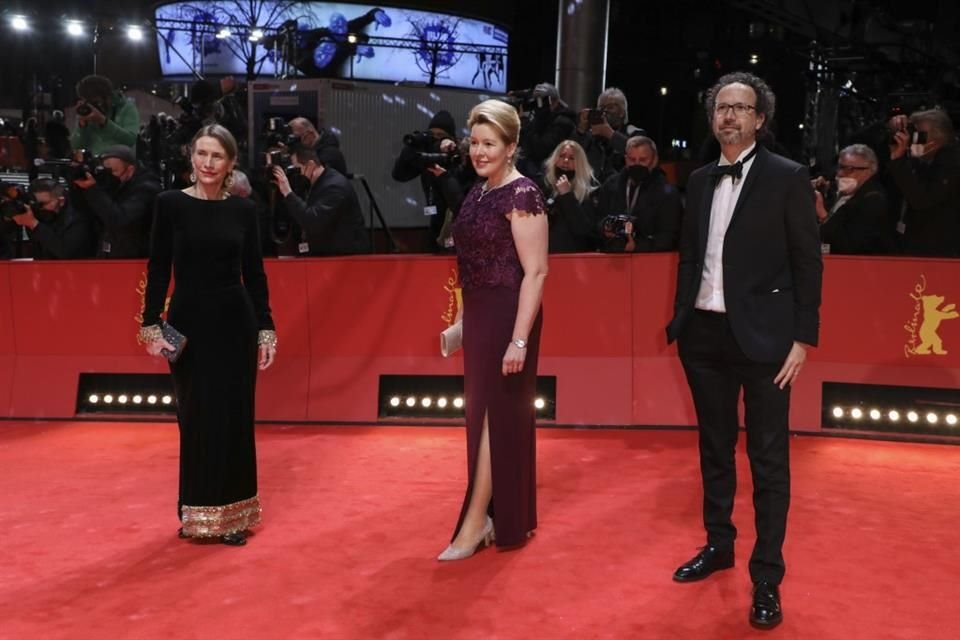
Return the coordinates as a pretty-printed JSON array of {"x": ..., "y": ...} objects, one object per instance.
[
  {"x": 501, "y": 240},
  {"x": 220, "y": 303}
]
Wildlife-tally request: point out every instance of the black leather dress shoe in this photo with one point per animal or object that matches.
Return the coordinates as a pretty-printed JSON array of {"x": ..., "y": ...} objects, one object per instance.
[
  {"x": 709, "y": 559},
  {"x": 765, "y": 613},
  {"x": 234, "y": 539}
]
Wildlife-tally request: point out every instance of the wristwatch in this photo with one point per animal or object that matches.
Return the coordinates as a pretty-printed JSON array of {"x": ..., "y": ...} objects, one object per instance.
[{"x": 521, "y": 343}]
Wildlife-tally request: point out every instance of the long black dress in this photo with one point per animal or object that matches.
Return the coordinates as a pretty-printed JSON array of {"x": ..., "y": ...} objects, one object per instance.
[
  {"x": 491, "y": 273},
  {"x": 219, "y": 303}
]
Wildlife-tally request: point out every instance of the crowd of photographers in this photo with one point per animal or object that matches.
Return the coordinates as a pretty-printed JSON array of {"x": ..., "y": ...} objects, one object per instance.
[{"x": 898, "y": 193}]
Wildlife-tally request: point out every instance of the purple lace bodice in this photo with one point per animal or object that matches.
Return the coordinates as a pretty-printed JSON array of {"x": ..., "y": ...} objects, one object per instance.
[{"x": 486, "y": 255}]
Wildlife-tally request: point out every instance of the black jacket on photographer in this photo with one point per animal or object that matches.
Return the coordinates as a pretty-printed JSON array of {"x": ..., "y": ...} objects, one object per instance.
[
  {"x": 931, "y": 192},
  {"x": 656, "y": 206},
  {"x": 330, "y": 218},
  {"x": 122, "y": 213},
  {"x": 442, "y": 192},
  {"x": 573, "y": 224},
  {"x": 540, "y": 133},
  {"x": 606, "y": 156},
  {"x": 65, "y": 235}
]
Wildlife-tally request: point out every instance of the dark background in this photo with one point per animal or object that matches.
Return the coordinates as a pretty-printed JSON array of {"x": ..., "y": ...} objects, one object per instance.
[{"x": 891, "y": 51}]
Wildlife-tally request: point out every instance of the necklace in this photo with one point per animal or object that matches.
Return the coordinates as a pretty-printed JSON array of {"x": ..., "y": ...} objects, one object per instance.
[
  {"x": 201, "y": 196},
  {"x": 485, "y": 189}
]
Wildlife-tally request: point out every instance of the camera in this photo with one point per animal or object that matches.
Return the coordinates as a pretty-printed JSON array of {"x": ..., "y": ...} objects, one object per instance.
[
  {"x": 428, "y": 151},
  {"x": 14, "y": 200},
  {"x": 277, "y": 132},
  {"x": 596, "y": 116},
  {"x": 616, "y": 225},
  {"x": 84, "y": 109}
]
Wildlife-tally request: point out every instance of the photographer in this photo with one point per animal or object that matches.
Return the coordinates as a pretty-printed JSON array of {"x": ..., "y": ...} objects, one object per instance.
[
  {"x": 121, "y": 203},
  {"x": 324, "y": 142},
  {"x": 330, "y": 216},
  {"x": 572, "y": 199},
  {"x": 433, "y": 155},
  {"x": 104, "y": 117},
  {"x": 858, "y": 221},
  {"x": 925, "y": 166},
  {"x": 638, "y": 209},
  {"x": 546, "y": 121},
  {"x": 55, "y": 228},
  {"x": 603, "y": 133}
]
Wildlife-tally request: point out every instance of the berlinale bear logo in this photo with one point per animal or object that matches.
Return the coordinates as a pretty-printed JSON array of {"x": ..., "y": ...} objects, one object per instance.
[{"x": 924, "y": 338}]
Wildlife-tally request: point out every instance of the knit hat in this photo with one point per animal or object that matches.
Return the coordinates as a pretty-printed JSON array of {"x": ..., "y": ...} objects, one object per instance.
[
  {"x": 121, "y": 152},
  {"x": 443, "y": 120}
]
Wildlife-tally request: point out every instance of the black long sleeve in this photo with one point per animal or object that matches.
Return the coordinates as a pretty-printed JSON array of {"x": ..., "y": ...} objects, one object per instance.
[
  {"x": 254, "y": 277},
  {"x": 159, "y": 265}
]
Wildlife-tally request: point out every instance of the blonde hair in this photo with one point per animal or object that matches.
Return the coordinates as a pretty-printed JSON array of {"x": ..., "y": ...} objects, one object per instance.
[
  {"x": 499, "y": 115},
  {"x": 583, "y": 182}
]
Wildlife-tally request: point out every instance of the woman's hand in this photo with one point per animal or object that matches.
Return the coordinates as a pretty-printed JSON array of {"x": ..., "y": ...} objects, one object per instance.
[
  {"x": 563, "y": 185},
  {"x": 267, "y": 355},
  {"x": 155, "y": 346},
  {"x": 513, "y": 359}
]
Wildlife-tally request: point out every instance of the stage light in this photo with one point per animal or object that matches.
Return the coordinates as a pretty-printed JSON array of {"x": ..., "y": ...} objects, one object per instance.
[
  {"x": 166, "y": 399},
  {"x": 223, "y": 34},
  {"x": 951, "y": 419},
  {"x": 93, "y": 399},
  {"x": 856, "y": 413},
  {"x": 122, "y": 399},
  {"x": 663, "y": 91},
  {"x": 108, "y": 399},
  {"x": 411, "y": 402},
  {"x": 800, "y": 126},
  {"x": 352, "y": 38},
  {"x": 754, "y": 58},
  {"x": 426, "y": 402},
  {"x": 74, "y": 28},
  {"x": 837, "y": 412},
  {"x": 932, "y": 418},
  {"x": 442, "y": 403},
  {"x": 151, "y": 399},
  {"x": 894, "y": 415},
  {"x": 137, "y": 399},
  {"x": 912, "y": 416},
  {"x": 875, "y": 414},
  {"x": 135, "y": 33},
  {"x": 458, "y": 403},
  {"x": 19, "y": 23},
  {"x": 394, "y": 401},
  {"x": 539, "y": 403},
  {"x": 255, "y": 35}
]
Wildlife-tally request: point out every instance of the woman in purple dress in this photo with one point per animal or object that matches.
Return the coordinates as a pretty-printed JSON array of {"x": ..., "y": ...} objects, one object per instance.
[{"x": 501, "y": 240}]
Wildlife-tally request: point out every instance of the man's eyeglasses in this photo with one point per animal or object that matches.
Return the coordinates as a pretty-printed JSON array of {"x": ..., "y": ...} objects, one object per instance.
[
  {"x": 850, "y": 167},
  {"x": 739, "y": 108}
]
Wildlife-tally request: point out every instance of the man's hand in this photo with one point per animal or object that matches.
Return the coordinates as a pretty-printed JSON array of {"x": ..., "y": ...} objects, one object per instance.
[
  {"x": 792, "y": 365},
  {"x": 583, "y": 121},
  {"x": 94, "y": 117},
  {"x": 818, "y": 202},
  {"x": 86, "y": 182},
  {"x": 603, "y": 130},
  {"x": 27, "y": 219},
  {"x": 280, "y": 179},
  {"x": 448, "y": 145},
  {"x": 901, "y": 142},
  {"x": 436, "y": 170}
]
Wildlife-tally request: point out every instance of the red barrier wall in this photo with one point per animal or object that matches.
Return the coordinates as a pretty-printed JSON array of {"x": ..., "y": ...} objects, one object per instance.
[{"x": 343, "y": 322}]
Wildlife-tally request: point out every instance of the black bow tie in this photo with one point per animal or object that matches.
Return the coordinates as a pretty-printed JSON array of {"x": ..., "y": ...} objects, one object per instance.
[{"x": 735, "y": 170}]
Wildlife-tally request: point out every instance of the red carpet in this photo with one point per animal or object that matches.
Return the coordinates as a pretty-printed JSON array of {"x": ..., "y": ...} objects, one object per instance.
[{"x": 353, "y": 518}]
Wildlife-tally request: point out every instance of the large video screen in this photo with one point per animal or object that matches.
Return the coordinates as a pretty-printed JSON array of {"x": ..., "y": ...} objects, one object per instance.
[{"x": 325, "y": 39}]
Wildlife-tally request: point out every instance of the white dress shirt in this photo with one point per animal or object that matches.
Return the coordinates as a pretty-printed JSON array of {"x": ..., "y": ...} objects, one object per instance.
[{"x": 710, "y": 295}]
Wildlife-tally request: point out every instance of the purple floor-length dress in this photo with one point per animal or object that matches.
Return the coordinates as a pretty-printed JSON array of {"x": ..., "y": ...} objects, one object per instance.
[{"x": 491, "y": 273}]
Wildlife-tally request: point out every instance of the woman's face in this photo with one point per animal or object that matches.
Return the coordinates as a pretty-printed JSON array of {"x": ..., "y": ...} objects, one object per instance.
[
  {"x": 566, "y": 160},
  {"x": 210, "y": 162},
  {"x": 488, "y": 152}
]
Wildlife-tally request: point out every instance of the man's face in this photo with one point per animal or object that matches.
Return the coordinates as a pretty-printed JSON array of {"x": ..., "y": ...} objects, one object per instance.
[
  {"x": 640, "y": 155},
  {"x": 47, "y": 204},
  {"x": 305, "y": 132},
  {"x": 731, "y": 127},
  {"x": 613, "y": 109},
  {"x": 120, "y": 169},
  {"x": 852, "y": 168}
]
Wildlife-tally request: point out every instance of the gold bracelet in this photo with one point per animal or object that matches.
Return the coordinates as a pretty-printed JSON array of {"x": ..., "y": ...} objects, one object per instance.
[
  {"x": 267, "y": 338},
  {"x": 150, "y": 333}
]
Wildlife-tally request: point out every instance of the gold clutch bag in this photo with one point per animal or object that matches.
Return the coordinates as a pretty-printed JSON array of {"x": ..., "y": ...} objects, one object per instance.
[{"x": 451, "y": 339}]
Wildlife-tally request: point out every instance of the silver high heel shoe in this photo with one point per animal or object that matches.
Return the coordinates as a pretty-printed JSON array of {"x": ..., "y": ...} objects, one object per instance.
[{"x": 486, "y": 538}]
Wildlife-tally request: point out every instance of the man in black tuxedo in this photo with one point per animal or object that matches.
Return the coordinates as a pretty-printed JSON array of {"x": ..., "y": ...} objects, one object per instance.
[{"x": 745, "y": 313}]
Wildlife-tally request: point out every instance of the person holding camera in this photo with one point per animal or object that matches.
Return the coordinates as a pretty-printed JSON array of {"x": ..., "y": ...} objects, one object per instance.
[
  {"x": 433, "y": 156},
  {"x": 120, "y": 201},
  {"x": 220, "y": 304},
  {"x": 571, "y": 199},
  {"x": 324, "y": 142},
  {"x": 546, "y": 121},
  {"x": 925, "y": 166},
  {"x": 329, "y": 217},
  {"x": 105, "y": 118},
  {"x": 603, "y": 133},
  {"x": 858, "y": 221},
  {"x": 638, "y": 209},
  {"x": 55, "y": 228}
]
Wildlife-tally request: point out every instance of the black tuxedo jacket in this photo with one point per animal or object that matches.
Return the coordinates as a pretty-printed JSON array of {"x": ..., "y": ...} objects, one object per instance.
[{"x": 772, "y": 267}]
